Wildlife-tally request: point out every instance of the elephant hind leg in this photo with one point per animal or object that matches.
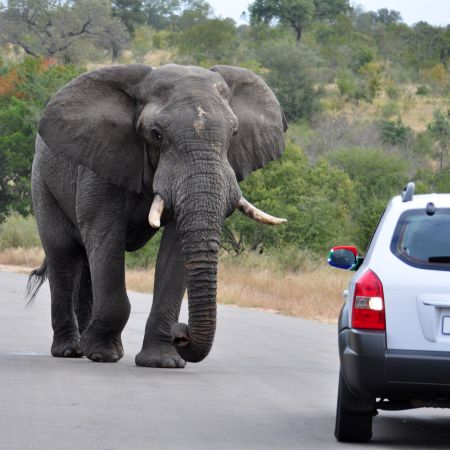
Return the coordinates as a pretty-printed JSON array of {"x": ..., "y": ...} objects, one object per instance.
[
  {"x": 63, "y": 255},
  {"x": 82, "y": 296}
]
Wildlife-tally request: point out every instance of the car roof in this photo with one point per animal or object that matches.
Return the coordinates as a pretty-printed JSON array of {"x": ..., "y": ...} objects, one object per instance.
[{"x": 421, "y": 200}]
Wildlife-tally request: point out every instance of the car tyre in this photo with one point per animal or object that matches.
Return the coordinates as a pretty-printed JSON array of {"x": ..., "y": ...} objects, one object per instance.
[{"x": 351, "y": 426}]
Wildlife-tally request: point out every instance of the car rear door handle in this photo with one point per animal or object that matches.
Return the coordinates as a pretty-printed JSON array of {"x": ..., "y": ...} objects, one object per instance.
[
  {"x": 436, "y": 300},
  {"x": 437, "y": 304}
]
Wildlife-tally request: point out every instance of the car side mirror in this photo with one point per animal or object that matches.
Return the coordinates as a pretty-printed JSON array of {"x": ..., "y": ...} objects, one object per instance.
[{"x": 344, "y": 257}]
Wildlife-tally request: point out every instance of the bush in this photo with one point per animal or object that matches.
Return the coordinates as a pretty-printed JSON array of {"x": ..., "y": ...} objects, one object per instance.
[
  {"x": 347, "y": 85},
  {"x": 315, "y": 199},
  {"x": 19, "y": 231},
  {"x": 376, "y": 177},
  {"x": 422, "y": 90},
  {"x": 438, "y": 78},
  {"x": 394, "y": 132},
  {"x": 292, "y": 78},
  {"x": 392, "y": 89}
]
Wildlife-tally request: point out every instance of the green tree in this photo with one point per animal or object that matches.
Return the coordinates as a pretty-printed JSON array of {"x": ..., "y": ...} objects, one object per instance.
[
  {"x": 316, "y": 200},
  {"x": 394, "y": 132},
  {"x": 130, "y": 12},
  {"x": 293, "y": 76},
  {"x": 181, "y": 14},
  {"x": 376, "y": 177},
  {"x": 296, "y": 13},
  {"x": 159, "y": 13},
  {"x": 194, "y": 12},
  {"x": 51, "y": 28},
  {"x": 385, "y": 16},
  {"x": 24, "y": 91},
  {"x": 440, "y": 130},
  {"x": 212, "y": 40}
]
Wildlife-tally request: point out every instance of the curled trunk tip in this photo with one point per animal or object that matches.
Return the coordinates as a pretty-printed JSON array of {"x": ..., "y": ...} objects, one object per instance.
[{"x": 184, "y": 345}]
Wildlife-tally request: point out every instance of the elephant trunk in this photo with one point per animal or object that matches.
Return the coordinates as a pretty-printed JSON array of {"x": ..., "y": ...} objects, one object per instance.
[
  {"x": 193, "y": 342},
  {"x": 200, "y": 207}
]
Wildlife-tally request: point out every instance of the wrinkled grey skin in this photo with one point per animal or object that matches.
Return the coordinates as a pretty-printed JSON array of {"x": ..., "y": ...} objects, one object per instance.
[{"x": 108, "y": 142}]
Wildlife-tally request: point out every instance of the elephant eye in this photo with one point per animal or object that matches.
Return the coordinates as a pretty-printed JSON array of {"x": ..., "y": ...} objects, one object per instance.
[{"x": 155, "y": 135}]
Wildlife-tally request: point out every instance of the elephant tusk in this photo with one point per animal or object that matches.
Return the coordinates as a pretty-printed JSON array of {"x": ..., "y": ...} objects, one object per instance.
[
  {"x": 256, "y": 214},
  {"x": 157, "y": 208}
]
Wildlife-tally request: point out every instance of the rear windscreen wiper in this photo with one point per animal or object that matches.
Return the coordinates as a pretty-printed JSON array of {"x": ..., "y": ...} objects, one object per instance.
[{"x": 439, "y": 259}]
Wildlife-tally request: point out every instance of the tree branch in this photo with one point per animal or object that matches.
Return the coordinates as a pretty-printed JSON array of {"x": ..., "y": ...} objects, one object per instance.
[
  {"x": 27, "y": 50},
  {"x": 83, "y": 30}
]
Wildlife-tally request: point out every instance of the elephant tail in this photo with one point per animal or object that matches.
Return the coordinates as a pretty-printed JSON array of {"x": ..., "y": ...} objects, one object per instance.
[{"x": 35, "y": 281}]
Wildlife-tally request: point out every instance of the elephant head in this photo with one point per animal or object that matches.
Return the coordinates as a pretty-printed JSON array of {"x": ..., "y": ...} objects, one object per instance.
[{"x": 186, "y": 135}]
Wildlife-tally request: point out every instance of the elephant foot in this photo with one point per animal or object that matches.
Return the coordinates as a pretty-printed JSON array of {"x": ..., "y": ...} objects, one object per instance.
[
  {"x": 163, "y": 355},
  {"x": 101, "y": 347},
  {"x": 66, "y": 348}
]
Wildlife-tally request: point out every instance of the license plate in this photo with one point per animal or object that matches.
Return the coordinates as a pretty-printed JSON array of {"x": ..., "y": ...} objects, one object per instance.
[{"x": 446, "y": 325}]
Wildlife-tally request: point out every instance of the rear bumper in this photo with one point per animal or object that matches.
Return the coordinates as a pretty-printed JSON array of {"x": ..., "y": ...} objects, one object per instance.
[{"x": 372, "y": 370}]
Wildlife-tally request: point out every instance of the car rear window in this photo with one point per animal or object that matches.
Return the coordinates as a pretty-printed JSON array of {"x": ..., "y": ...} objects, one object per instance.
[{"x": 423, "y": 240}]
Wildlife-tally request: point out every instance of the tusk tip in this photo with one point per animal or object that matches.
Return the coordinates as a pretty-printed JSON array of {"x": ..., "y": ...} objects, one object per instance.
[
  {"x": 277, "y": 221},
  {"x": 154, "y": 223}
]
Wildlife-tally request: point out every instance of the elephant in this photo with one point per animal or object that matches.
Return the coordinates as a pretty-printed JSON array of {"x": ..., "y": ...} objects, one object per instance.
[{"x": 122, "y": 151}]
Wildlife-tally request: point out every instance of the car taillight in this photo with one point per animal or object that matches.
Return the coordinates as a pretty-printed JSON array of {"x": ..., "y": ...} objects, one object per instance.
[{"x": 368, "y": 303}]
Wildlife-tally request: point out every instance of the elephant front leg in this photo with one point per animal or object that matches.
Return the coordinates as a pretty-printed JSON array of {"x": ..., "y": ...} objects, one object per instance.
[
  {"x": 100, "y": 209},
  {"x": 157, "y": 349}
]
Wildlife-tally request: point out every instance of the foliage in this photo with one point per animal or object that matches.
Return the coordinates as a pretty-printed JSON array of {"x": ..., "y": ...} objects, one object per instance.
[
  {"x": 437, "y": 77},
  {"x": 290, "y": 75},
  {"x": 210, "y": 40},
  {"x": 18, "y": 231},
  {"x": 376, "y": 177},
  {"x": 328, "y": 134},
  {"x": 143, "y": 41},
  {"x": 394, "y": 132},
  {"x": 315, "y": 199},
  {"x": 24, "y": 90},
  {"x": 130, "y": 12},
  {"x": 145, "y": 256},
  {"x": 440, "y": 130},
  {"x": 365, "y": 84},
  {"x": 296, "y": 13},
  {"x": 179, "y": 14},
  {"x": 52, "y": 28}
]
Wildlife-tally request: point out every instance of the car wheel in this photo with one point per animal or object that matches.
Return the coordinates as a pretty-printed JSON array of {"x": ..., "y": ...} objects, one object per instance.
[{"x": 351, "y": 426}]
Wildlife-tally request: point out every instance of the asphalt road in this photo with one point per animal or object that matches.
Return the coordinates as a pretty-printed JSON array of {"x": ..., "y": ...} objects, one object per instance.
[{"x": 269, "y": 383}]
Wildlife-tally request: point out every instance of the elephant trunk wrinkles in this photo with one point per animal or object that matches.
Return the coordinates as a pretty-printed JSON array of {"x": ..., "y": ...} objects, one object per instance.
[{"x": 199, "y": 218}]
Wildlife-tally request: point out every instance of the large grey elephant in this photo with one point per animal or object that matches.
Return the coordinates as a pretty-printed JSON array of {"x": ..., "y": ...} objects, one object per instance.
[{"x": 122, "y": 151}]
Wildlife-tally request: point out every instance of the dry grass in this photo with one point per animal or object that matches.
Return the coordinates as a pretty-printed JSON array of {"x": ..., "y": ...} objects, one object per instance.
[
  {"x": 158, "y": 57},
  {"x": 313, "y": 294},
  {"x": 310, "y": 294},
  {"x": 140, "y": 280},
  {"x": 24, "y": 257},
  {"x": 415, "y": 111}
]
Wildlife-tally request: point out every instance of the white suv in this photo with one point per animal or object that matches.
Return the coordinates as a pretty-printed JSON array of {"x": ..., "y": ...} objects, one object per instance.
[{"x": 394, "y": 328}]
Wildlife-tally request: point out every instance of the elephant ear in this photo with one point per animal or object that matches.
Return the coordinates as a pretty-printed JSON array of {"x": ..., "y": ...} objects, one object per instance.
[
  {"x": 91, "y": 122},
  {"x": 261, "y": 121}
]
